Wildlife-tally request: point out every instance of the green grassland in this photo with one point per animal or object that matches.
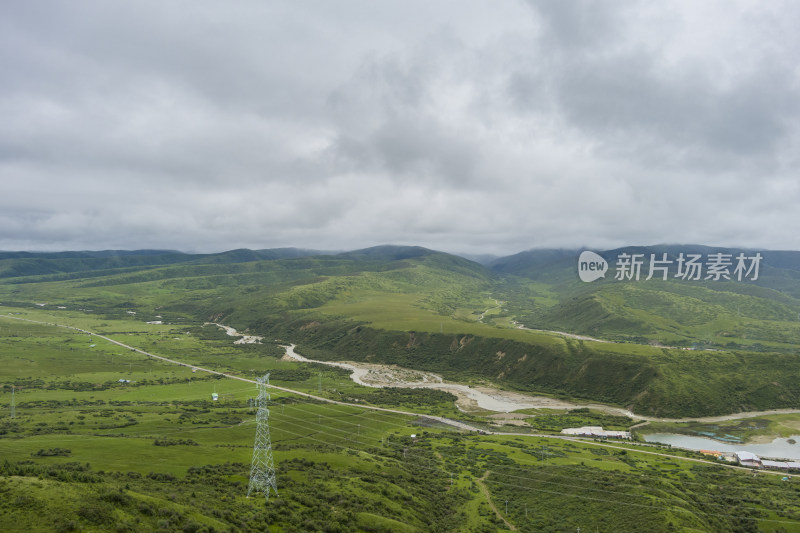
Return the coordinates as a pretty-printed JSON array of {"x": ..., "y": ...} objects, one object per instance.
[
  {"x": 88, "y": 453},
  {"x": 730, "y": 347},
  {"x": 543, "y": 291}
]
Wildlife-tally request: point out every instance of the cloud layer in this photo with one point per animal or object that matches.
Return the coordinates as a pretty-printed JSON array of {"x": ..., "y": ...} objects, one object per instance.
[{"x": 473, "y": 126}]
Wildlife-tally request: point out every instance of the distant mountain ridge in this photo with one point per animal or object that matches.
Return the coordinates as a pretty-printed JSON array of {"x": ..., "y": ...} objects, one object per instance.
[
  {"x": 748, "y": 313},
  {"x": 21, "y": 264},
  {"x": 779, "y": 269},
  {"x": 678, "y": 347},
  {"x": 535, "y": 262}
]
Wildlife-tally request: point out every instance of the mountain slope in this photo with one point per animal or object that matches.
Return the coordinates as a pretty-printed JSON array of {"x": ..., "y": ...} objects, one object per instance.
[
  {"x": 430, "y": 310},
  {"x": 60, "y": 265},
  {"x": 745, "y": 314}
]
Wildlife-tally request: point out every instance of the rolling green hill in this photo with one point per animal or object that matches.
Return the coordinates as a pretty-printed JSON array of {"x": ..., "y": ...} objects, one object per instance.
[
  {"x": 434, "y": 311},
  {"x": 86, "y": 452},
  {"x": 66, "y": 265},
  {"x": 749, "y": 315}
]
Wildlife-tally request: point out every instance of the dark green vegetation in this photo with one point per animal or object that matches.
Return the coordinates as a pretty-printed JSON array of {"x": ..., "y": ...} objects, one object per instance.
[
  {"x": 760, "y": 315},
  {"x": 681, "y": 348},
  {"x": 157, "y": 455},
  {"x": 579, "y": 418},
  {"x": 88, "y": 452}
]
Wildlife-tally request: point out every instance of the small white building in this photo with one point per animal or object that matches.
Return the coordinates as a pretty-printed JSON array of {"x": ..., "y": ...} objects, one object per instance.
[
  {"x": 748, "y": 459},
  {"x": 775, "y": 465},
  {"x": 596, "y": 431}
]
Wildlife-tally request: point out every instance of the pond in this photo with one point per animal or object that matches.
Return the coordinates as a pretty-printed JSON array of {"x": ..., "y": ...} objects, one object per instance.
[{"x": 779, "y": 448}]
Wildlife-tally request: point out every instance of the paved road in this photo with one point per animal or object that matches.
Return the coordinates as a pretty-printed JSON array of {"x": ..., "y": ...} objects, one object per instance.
[
  {"x": 643, "y": 418},
  {"x": 443, "y": 420}
]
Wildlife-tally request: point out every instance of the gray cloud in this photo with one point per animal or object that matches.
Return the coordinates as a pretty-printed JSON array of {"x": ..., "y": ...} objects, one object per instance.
[{"x": 465, "y": 126}]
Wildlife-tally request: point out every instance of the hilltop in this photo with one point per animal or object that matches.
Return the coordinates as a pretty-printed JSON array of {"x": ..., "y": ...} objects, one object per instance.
[
  {"x": 760, "y": 314},
  {"x": 435, "y": 311},
  {"x": 105, "y": 438}
]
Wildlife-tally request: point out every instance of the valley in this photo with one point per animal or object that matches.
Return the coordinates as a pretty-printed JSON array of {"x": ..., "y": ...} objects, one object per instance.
[{"x": 414, "y": 382}]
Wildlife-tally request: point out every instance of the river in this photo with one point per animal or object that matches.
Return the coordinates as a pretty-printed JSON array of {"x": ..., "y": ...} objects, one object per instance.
[
  {"x": 779, "y": 448},
  {"x": 488, "y": 398}
]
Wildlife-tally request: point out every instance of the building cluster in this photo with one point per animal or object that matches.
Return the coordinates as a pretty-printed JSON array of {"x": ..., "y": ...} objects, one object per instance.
[
  {"x": 751, "y": 460},
  {"x": 596, "y": 431},
  {"x": 754, "y": 461},
  {"x": 743, "y": 458}
]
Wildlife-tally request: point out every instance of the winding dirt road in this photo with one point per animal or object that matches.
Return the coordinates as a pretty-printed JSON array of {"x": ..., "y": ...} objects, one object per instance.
[
  {"x": 453, "y": 423},
  {"x": 443, "y": 420},
  {"x": 369, "y": 375},
  {"x": 499, "y": 400}
]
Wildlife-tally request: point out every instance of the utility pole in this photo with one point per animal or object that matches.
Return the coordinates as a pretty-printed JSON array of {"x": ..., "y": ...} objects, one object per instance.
[
  {"x": 262, "y": 468},
  {"x": 506, "y": 507},
  {"x": 13, "y": 405}
]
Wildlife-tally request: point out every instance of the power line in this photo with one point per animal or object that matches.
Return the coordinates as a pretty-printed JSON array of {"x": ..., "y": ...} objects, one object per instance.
[
  {"x": 520, "y": 461},
  {"x": 539, "y": 479},
  {"x": 262, "y": 468},
  {"x": 580, "y": 496},
  {"x": 341, "y": 420},
  {"x": 304, "y": 394},
  {"x": 326, "y": 430}
]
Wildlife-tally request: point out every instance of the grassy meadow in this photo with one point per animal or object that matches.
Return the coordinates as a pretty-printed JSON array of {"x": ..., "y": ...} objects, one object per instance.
[
  {"x": 679, "y": 349},
  {"x": 85, "y": 451},
  {"x": 88, "y": 453}
]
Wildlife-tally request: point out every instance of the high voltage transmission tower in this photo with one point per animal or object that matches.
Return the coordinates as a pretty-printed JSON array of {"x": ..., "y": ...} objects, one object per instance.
[{"x": 262, "y": 468}]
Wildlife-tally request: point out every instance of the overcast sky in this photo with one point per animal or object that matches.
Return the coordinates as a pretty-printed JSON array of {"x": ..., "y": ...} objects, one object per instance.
[{"x": 466, "y": 126}]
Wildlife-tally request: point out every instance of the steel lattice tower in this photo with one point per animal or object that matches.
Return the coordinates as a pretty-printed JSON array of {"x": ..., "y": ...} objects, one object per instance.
[{"x": 262, "y": 469}]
